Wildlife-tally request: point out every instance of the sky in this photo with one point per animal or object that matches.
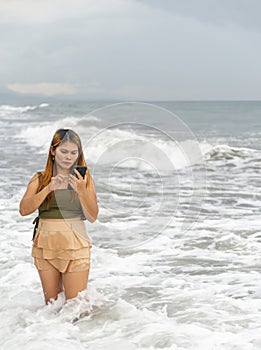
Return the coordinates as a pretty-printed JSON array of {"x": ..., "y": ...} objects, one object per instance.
[{"x": 131, "y": 49}]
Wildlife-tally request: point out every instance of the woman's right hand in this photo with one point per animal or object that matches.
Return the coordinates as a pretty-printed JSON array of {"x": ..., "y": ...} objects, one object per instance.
[{"x": 55, "y": 183}]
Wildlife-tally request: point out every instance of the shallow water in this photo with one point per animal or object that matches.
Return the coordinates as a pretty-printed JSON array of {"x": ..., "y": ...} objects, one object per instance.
[{"x": 176, "y": 247}]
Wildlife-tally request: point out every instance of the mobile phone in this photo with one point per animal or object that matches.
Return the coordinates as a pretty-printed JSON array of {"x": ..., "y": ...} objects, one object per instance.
[{"x": 82, "y": 170}]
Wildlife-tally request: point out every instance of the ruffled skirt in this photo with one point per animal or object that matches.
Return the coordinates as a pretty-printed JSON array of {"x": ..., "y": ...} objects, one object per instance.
[{"x": 63, "y": 243}]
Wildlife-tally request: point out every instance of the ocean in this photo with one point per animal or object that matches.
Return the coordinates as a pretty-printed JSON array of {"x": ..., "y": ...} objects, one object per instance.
[{"x": 176, "y": 247}]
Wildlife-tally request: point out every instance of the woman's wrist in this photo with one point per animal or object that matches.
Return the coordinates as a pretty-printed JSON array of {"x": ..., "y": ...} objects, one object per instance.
[
  {"x": 83, "y": 193},
  {"x": 48, "y": 188}
]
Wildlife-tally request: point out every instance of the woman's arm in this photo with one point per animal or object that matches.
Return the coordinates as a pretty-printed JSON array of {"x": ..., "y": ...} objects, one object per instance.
[
  {"x": 31, "y": 199},
  {"x": 88, "y": 199}
]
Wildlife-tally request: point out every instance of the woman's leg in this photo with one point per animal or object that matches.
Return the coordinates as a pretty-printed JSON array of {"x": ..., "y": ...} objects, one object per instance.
[
  {"x": 74, "y": 282},
  {"x": 51, "y": 280}
]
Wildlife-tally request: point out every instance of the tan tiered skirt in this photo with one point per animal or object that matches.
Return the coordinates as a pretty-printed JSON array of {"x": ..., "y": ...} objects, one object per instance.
[{"x": 62, "y": 243}]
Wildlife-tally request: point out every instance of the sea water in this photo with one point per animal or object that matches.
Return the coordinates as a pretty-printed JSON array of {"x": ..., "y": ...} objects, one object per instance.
[{"x": 177, "y": 243}]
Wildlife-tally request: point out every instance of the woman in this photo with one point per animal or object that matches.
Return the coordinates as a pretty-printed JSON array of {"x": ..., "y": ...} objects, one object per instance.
[{"x": 61, "y": 246}]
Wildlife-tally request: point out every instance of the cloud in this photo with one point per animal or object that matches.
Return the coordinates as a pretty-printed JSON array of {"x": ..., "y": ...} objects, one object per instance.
[
  {"x": 130, "y": 49},
  {"x": 243, "y": 13},
  {"x": 49, "y": 11},
  {"x": 46, "y": 89}
]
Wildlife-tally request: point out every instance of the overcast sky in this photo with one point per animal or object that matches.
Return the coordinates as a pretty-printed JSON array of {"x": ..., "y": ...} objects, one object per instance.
[{"x": 132, "y": 49}]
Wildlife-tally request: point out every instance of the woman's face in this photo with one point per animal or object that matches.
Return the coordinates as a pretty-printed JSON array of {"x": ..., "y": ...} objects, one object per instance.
[{"x": 66, "y": 155}]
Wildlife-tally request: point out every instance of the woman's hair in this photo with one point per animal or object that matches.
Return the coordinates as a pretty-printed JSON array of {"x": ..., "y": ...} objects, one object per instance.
[{"x": 61, "y": 136}]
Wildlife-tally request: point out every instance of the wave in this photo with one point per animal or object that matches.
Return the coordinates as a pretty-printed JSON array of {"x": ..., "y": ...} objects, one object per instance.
[
  {"x": 40, "y": 136},
  {"x": 21, "y": 109},
  {"x": 127, "y": 148},
  {"x": 88, "y": 118},
  {"x": 225, "y": 152},
  {"x": 8, "y": 111}
]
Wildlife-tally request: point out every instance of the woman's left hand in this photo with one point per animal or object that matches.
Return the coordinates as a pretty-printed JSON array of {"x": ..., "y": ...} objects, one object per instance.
[{"x": 78, "y": 184}]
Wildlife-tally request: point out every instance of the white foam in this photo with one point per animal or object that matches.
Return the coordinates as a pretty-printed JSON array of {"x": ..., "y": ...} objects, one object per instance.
[
  {"x": 122, "y": 148},
  {"x": 89, "y": 118},
  {"x": 9, "y": 110},
  {"x": 127, "y": 149},
  {"x": 42, "y": 105},
  {"x": 137, "y": 299},
  {"x": 223, "y": 150},
  {"x": 194, "y": 290},
  {"x": 40, "y": 136}
]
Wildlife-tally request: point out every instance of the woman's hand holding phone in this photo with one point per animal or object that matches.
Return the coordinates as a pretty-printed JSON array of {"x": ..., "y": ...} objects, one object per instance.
[{"x": 77, "y": 180}]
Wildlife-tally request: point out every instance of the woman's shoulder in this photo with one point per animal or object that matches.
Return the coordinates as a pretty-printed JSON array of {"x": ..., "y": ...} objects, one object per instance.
[
  {"x": 37, "y": 176},
  {"x": 39, "y": 173}
]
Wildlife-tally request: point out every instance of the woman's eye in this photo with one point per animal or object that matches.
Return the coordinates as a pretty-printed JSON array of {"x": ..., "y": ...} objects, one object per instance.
[{"x": 73, "y": 153}]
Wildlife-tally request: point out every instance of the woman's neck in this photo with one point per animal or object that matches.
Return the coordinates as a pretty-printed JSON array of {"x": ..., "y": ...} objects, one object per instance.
[{"x": 63, "y": 172}]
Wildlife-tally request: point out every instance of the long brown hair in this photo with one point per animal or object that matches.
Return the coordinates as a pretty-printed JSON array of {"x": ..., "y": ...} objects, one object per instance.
[{"x": 61, "y": 136}]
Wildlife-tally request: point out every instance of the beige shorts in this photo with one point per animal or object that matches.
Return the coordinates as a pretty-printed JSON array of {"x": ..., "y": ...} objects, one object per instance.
[{"x": 63, "y": 244}]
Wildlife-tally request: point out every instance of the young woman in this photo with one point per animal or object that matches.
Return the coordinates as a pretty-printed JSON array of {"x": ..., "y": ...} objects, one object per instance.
[{"x": 61, "y": 246}]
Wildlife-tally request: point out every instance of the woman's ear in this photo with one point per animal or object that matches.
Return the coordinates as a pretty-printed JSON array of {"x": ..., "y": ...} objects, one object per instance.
[{"x": 52, "y": 149}]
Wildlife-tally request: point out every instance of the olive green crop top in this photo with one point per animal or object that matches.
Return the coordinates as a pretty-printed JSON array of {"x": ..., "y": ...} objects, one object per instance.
[{"x": 63, "y": 205}]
